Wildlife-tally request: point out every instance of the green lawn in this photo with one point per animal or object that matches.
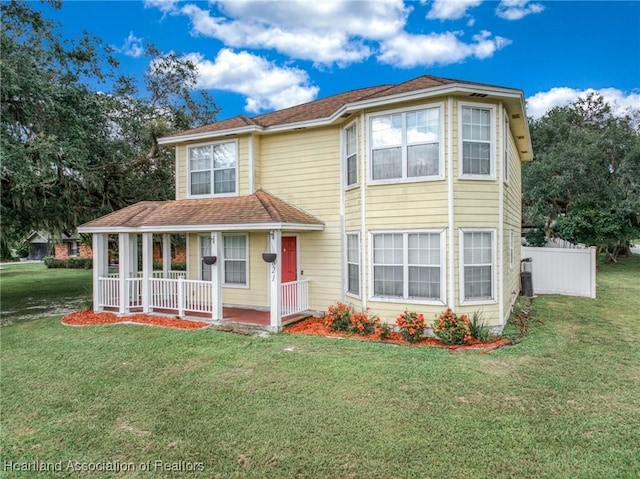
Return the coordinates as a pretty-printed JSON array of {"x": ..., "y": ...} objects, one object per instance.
[
  {"x": 30, "y": 290},
  {"x": 563, "y": 403}
]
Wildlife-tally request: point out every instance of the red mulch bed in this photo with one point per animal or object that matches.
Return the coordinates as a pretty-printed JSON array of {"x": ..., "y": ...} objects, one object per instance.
[
  {"x": 88, "y": 317},
  {"x": 316, "y": 327}
]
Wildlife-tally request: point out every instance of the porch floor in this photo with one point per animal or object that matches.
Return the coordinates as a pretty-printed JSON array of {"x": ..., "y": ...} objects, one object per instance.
[{"x": 238, "y": 316}]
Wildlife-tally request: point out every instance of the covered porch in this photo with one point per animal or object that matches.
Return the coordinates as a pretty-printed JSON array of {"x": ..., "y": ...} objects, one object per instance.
[{"x": 270, "y": 296}]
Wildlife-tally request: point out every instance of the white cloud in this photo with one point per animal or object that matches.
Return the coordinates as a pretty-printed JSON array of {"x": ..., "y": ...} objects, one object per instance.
[
  {"x": 165, "y": 6},
  {"x": 517, "y": 9},
  {"x": 541, "y": 102},
  {"x": 265, "y": 85},
  {"x": 451, "y": 9},
  {"x": 331, "y": 32},
  {"x": 132, "y": 46},
  {"x": 408, "y": 51}
]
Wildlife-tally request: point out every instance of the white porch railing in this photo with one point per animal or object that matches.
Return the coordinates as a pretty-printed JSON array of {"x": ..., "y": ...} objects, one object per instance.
[
  {"x": 134, "y": 292},
  {"x": 174, "y": 274},
  {"x": 175, "y": 294},
  {"x": 109, "y": 292},
  {"x": 295, "y": 297},
  {"x": 184, "y": 295}
]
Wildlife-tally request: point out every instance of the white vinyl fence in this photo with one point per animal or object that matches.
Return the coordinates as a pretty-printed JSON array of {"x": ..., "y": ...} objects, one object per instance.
[{"x": 571, "y": 272}]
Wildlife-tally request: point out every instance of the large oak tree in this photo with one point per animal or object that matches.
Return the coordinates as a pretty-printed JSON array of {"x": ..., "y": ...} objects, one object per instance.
[
  {"x": 584, "y": 181},
  {"x": 77, "y": 139}
]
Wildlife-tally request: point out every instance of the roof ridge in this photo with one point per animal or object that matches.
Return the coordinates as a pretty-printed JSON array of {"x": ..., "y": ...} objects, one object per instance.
[{"x": 265, "y": 200}]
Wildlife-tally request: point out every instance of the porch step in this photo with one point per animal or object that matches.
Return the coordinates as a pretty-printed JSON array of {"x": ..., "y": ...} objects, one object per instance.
[{"x": 294, "y": 318}]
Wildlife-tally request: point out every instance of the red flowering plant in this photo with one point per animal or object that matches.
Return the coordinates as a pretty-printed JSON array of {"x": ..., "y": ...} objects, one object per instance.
[
  {"x": 363, "y": 324},
  {"x": 411, "y": 325},
  {"x": 381, "y": 330},
  {"x": 338, "y": 317},
  {"x": 451, "y": 328}
]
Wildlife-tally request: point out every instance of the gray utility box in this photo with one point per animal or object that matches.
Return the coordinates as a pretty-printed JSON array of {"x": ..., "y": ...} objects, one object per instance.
[{"x": 526, "y": 278}]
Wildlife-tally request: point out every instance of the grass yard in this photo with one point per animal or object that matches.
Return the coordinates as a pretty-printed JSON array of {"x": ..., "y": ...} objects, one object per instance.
[
  {"x": 30, "y": 290},
  {"x": 563, "y": 403}
]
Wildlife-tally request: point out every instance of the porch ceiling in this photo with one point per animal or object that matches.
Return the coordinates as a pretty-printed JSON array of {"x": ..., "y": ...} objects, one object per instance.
[{"x": 259, "y": 211}]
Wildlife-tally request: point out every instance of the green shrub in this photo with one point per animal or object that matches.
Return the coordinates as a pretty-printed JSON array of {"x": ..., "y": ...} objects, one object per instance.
[
  {"x": 478, "y": 329},
  {"x": 176, "y": 266},
  {"x": 80, "y": 263},
  {"x": 71, "y": 263}
]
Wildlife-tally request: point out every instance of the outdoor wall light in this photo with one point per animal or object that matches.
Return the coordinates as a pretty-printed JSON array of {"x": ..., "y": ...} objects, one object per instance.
[
  {"x": 209, "y": 259},
  {"x": 269, "y": 257}
]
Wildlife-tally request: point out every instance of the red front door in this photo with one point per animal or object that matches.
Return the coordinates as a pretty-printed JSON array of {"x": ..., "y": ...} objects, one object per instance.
[{"x": 289, "y": 259}]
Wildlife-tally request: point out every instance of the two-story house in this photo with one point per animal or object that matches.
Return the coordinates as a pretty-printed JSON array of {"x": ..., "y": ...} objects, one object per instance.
[{"x": 390, "y": 197}]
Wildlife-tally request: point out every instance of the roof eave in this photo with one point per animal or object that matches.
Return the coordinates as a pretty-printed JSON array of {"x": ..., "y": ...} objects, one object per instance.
[
  {"x": 177, "y": 139},
  {"x": 201, "y": 228}
]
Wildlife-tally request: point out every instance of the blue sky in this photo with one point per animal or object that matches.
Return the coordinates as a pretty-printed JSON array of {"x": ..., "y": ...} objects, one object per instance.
[{"x": 257, "y": 56}]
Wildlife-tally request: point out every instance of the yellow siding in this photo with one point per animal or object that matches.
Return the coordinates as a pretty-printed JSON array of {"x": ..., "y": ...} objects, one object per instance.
[
  {"x": 303, "y": 167},
  {"x": 181, "y": 156},
  {"x": 407, "y": 205},
  {"x": 512, "y": 221}
]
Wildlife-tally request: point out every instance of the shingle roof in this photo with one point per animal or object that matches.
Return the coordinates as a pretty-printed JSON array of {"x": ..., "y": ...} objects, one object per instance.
[
  {"x": 258, "y": 208},
  {"x": 324, "y": 107}
]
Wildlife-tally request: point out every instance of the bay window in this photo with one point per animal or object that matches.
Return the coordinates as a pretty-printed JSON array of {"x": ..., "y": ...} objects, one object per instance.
[
  {"x": 408, "y": 266},
  {"x": 351, "y": 155},
  {"x": 477, "y": 265},
  {"x": 353, "y": 264},
  {"x": 476, "y": 132},
  {"x": 406, "y": 145}
]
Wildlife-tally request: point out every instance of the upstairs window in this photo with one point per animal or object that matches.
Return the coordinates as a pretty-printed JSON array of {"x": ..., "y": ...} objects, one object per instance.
[
  {"x": 351, "y": 154},
  {"x": 406, "y": 145},
  {"x": 476, "y": 134},
  {"x": 213, "y": 169}
]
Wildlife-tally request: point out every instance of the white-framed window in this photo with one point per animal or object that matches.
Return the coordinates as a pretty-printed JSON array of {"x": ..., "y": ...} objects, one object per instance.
[
  {"x": 511, "y": 249},
  {"x": 506, "y": 150},
  {"x": 476, "y": 127},
  {"x": 477, "y": 265},
  {"x": 213, "y": 169},
  {"x": 406, "y": 145},
  {"x": 408, "y": 266},
  {"x": 234, "y": 261},
  {"x": 353, "y": 264},
  {"x": 351, "y": 155}
]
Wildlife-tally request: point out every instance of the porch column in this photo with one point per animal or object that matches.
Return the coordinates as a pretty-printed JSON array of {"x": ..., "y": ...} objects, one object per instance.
[
  {"x": 166, "y": 255},
  {"x": 275, "y": 280},
  {"x": 124, "y": 268},
  {"x": 133, "y": 259},
  {"x": 147, "y": 269},
  {"x": 216, "y": 277},
  {"x": 100, "y": 267}
]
